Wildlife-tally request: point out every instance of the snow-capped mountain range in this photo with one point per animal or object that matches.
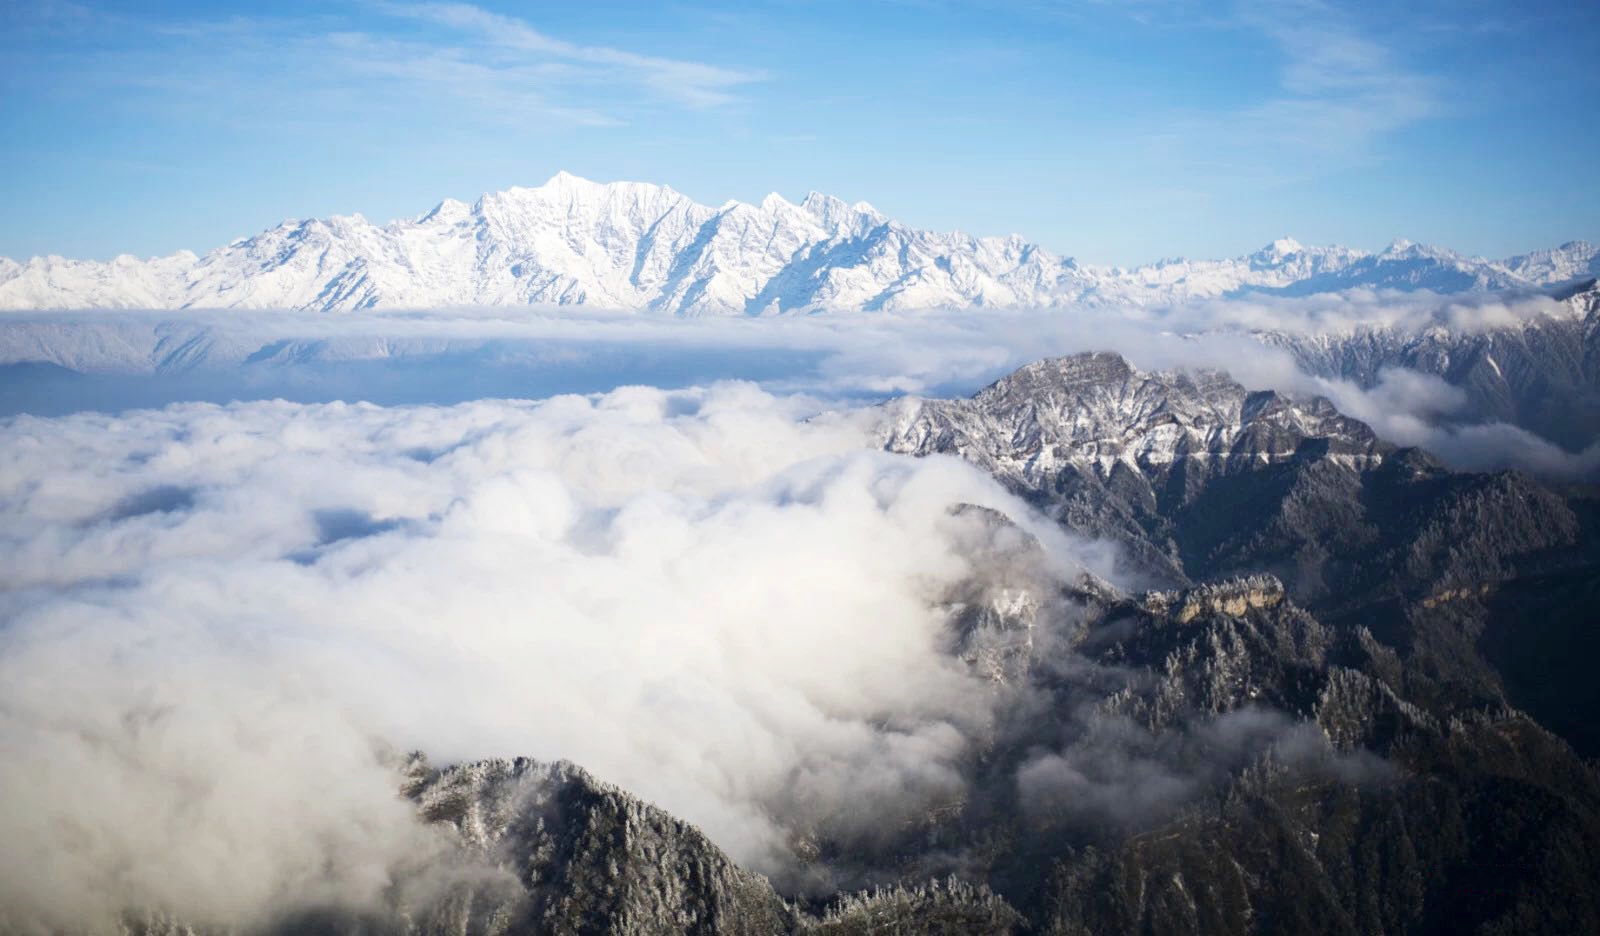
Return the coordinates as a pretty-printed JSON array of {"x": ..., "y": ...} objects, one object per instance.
[{"x": 639, "y": 247}]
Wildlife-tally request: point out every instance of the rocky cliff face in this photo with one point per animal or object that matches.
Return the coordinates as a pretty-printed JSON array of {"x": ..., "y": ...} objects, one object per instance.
[
  {"x": 587, "y": 857},
  {"x": 1401, "y": 563},
  {"x": 1198, "y": 478},
  {"x": 1273, "y": 776}
]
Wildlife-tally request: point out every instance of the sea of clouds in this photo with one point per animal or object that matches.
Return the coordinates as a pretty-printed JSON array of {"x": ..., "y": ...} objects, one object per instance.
[
  {"x": 222, "y": 618},
  {"x": 218, "y": 620},
  {"x": 58, "y": 363}
]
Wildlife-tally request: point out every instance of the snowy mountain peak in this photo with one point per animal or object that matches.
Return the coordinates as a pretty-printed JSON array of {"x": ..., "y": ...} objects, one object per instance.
[
  {"x": 1572, "y": 260},
  {"x": 643, "y": 247},
  {"x": 449, "y": 211},
  {"x": 838, "y": 215},
  {"x": 564, "y": 182},
  {"x": 1281, "y": 248},
  {"x": 566, "y": 187}
]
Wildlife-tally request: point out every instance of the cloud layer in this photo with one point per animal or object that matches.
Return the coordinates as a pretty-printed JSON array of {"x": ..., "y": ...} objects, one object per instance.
[
  {"x": 469, "y": 354},
  {"x": 218, "y": 620},
  {"x": 221, "y": 622}
]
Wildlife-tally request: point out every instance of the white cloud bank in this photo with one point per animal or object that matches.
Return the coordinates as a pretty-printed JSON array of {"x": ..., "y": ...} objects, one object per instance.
[
  {"x": 215, "y": 619},
  {"x": 471, "y": 354}
]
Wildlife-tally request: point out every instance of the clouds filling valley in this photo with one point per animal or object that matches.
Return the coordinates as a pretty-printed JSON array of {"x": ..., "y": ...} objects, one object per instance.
[
  {"x": 219, "y": 619},
  {"x": 1399, "y": 361},
  {"x": 223, "y": 624}
]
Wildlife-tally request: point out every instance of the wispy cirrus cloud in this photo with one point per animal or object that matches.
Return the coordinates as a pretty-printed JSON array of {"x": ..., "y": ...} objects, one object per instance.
[
  {"x": 694, "y": 84},
  {"x": 1337, "y": 93},
  {"x": 1340, "y": 91},
  {"x": 458, "y": 63}
]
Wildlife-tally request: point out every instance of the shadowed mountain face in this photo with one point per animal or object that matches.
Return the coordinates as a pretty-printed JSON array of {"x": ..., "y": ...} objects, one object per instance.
[
  {"x": 1329, "y": 710},
  {"x": 1205, "y": 760},
  {"x": 1198, "y": 479},
  {"x": 1541, "y": 373}
]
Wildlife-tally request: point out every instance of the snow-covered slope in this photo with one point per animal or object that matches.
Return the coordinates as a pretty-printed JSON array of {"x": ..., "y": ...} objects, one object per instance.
[
  {"x": 1098, "y": 414},
  {"x": 634, "y": 246},
  {"x": 1538, "y": 369},
  {"x": 1198, "y": 478},
  {"x": 624, "y": 245}
]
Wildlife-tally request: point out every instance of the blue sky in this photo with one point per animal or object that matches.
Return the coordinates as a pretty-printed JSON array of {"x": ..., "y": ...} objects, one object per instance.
[{"x": 1116, "y": 132}]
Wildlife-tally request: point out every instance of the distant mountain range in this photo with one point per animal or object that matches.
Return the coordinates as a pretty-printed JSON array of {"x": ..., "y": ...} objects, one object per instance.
[{"x": 639, "y": 247}]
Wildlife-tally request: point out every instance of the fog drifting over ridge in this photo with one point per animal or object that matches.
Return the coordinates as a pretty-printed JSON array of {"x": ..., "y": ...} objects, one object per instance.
[{"x": 53, "y": 363}]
